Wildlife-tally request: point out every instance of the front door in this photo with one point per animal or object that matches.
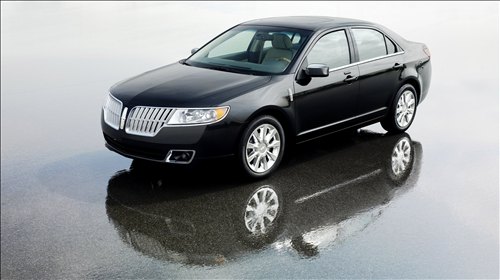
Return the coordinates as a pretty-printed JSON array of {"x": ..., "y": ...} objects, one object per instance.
[{"x": 323, "y": 102}]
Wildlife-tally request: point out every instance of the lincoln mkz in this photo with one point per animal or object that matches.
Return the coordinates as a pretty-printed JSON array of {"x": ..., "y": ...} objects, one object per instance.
[{"x": 265, "y": 84}]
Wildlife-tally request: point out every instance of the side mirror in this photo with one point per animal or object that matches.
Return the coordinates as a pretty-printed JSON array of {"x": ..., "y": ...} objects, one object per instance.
[
  {"x": 317, "y": 70},
  {"x": 194, "y": 50}
]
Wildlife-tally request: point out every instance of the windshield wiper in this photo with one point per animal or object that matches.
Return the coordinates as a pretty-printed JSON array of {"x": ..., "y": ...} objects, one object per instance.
[{"x": 232, "y": 68}]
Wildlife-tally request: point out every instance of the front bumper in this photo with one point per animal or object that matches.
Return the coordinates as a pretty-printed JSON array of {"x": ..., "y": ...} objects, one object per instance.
[{"x": 208, "y": 141}]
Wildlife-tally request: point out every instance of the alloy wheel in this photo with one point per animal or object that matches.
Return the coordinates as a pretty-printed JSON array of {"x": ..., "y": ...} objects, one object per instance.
[
  {"x": 263, "y": 148},
  {"x": 405, "y": 109}
]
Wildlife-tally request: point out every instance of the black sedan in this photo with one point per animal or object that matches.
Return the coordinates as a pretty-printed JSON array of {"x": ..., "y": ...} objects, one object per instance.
[{"x": 266, "y": 83}]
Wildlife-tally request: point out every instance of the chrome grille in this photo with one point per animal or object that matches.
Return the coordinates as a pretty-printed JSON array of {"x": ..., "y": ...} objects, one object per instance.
[
  {"x": 146, "y": 121},
  {"x": 112, "y": 109}
]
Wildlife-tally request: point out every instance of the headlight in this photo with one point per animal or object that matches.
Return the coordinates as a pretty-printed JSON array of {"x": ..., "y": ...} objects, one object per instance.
[{"x": 198, "y": 116}]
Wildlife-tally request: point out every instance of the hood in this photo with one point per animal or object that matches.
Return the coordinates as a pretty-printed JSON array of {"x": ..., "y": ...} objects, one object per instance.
[{"x": 179, "y": 85}]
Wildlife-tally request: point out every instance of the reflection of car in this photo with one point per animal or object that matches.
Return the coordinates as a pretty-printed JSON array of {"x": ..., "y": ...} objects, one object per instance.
[
  {"x": 320, "y": 197},
  {"x": 266, "y": 82}
]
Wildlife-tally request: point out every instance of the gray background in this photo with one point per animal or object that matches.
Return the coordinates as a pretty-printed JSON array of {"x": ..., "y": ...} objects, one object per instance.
[{"x": 59, "y": 59}]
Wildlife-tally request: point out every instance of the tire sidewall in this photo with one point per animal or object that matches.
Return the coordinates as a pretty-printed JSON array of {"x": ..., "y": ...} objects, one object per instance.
[{"x": 266, "y": 119}]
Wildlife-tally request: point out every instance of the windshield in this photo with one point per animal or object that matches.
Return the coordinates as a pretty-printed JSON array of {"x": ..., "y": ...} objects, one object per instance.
[{"x": 252, "y": 49}]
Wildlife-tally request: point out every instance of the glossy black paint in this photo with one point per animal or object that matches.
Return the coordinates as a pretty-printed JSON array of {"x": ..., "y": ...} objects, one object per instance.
[
  {"x": 178, "y": 85},
  {"x": 154, "y": 214},
  {"x": 352, "y": 96}
]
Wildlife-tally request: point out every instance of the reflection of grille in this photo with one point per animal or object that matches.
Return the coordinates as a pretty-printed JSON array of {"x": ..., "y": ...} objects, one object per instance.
[
  {"x": 112, "y": 109},
  {"x": 146, "y": 121}
]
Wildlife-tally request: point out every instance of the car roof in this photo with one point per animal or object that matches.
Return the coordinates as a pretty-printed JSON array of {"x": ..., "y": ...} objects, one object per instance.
[{"x": 307, "y": 22}]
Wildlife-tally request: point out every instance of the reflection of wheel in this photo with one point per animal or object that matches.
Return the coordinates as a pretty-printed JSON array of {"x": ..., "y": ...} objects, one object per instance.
[
  {"x": 261, "y": 210},
  {"x": 259, "y": 222},
  {"x": 262, "y": 146},
  {"x": 401, "y": 160},
  {"x": 403, "y": 110}
]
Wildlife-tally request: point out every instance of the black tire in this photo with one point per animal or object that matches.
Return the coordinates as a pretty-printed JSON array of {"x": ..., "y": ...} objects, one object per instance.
[
  {"x": 266, "y": 119},
  {"x": 390, "y": 122}
]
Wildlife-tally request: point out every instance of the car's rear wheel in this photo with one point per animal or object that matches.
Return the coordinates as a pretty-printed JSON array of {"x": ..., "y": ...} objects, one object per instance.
[
  {"x": 402, "y": 111},
  {"x": 261, "y": 147}
]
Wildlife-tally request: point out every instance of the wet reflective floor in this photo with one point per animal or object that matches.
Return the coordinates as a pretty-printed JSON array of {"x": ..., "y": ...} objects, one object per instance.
[{"x": 361, "y": 204}]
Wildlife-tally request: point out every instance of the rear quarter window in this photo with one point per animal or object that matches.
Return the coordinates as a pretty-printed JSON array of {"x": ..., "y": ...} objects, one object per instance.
[{"x": 391, "y": 47}]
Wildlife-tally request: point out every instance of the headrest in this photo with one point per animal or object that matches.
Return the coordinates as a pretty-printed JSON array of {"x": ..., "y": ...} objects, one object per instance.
[{"x": 281, "y": 41}]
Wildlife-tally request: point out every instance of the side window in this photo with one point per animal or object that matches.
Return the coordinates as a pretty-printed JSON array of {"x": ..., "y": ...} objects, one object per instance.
[
  {"x": 391, "y": 48},
  {"x": 332, "y": 50},
  {"x": 370, "y": 43}
]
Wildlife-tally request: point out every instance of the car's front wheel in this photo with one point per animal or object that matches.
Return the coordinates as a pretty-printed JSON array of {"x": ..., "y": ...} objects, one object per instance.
[
  {"x": 262, "y": 146},
  {"x": 402, "y": 111}
]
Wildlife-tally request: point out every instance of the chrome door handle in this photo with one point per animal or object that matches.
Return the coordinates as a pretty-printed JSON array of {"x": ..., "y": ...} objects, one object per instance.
[
  {"x": 398, "y": 66},
  {"x": 350, "y": 78}
]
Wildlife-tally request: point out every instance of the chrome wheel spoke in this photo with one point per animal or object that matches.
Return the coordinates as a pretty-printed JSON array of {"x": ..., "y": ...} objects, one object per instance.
[
  {"x": 271, "y": 155},
  {"x": 263, "y": 148},
  {"x": 275, "y": 144},
  {"x": 405, "y": 109},
  {"x": 252, "y": 156},
  {"x": 261, "y": 134},
  {"x": 254, "y": 137},
  {"x": 250, "y": 208},
  {"x": 264, "y": 162},
  {"x": 270, "y": 135},
  {"x": 261, "y": 210},
  {"x": 401, "y": 157}
]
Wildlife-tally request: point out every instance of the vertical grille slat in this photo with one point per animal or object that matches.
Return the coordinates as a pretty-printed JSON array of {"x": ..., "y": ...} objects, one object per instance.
[
  {"x": 158, "y": 120},
  {"x": 137, "y": 119},
  {"x": 146, "y": 121},
  {"x": 162, "y": 117},
  {"x": 152, "y": 120},
  {"x": 112, "y": 111}
]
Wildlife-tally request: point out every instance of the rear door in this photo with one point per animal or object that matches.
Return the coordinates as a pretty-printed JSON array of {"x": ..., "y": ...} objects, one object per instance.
[{"x": 380, "y": 67}]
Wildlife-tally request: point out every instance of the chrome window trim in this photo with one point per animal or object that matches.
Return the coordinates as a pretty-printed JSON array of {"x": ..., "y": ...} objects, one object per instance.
[
  {"x": 339, "y": 122},
  {"x": 376, "y": 29},
  {"x": 366, "y": 61},
  {"x": 307, "y": 49}
]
